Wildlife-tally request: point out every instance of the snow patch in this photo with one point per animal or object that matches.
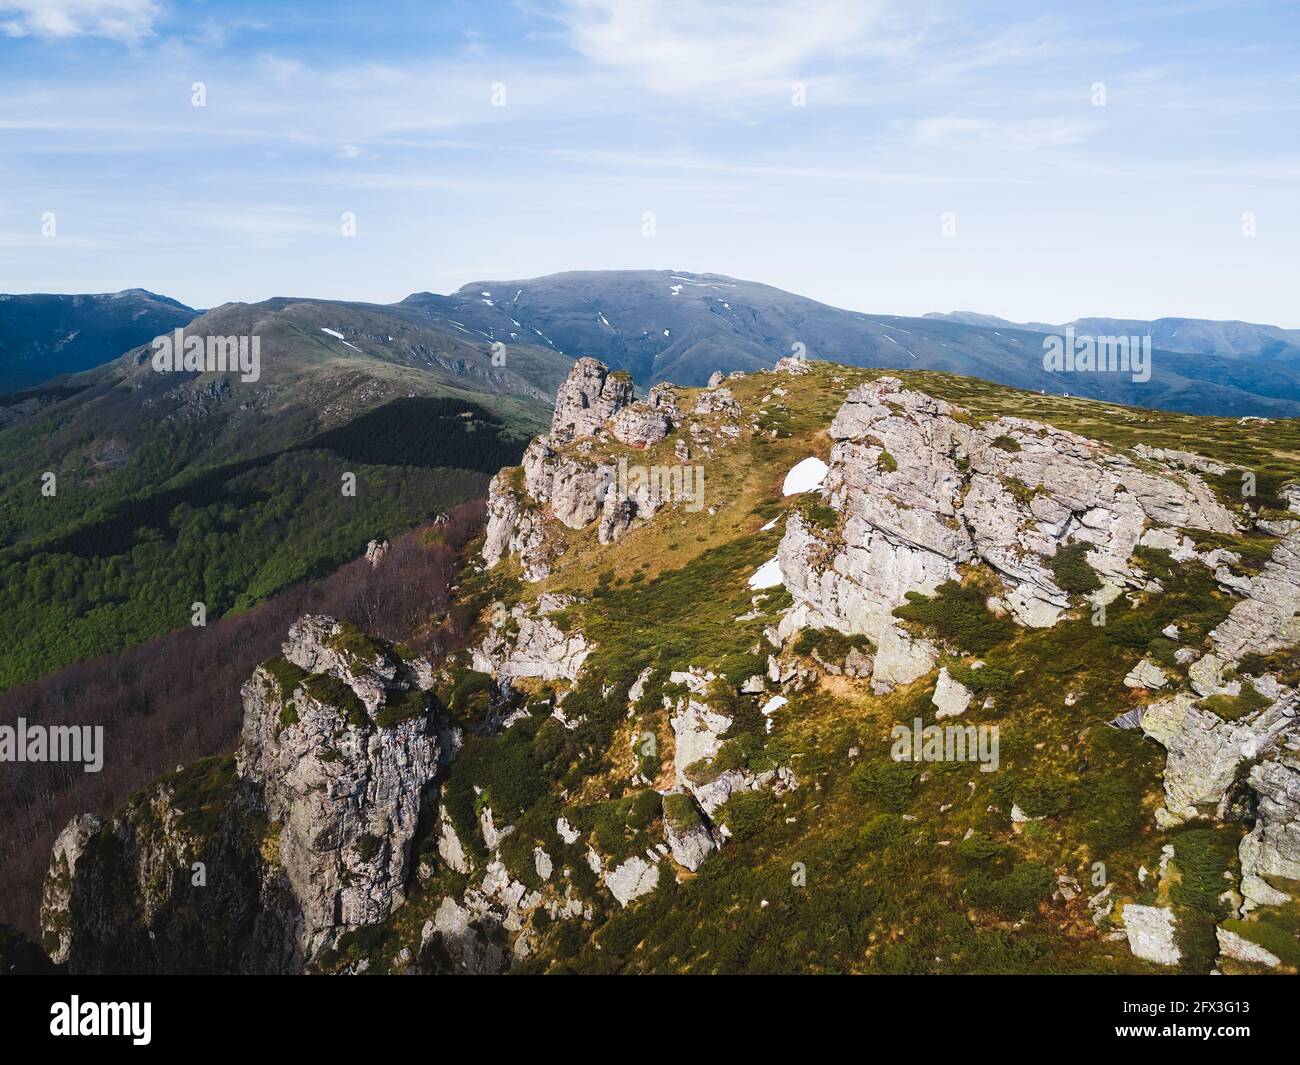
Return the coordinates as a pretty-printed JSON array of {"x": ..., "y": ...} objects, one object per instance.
[
  {"x": 768, "y": 575},
  {"x": 804, "y": 476}
]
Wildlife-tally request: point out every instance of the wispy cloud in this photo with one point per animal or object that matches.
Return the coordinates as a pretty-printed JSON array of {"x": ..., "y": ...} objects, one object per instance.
[
  {"x": 688, "y": 46},
  {"x": 120, "y": 20}
]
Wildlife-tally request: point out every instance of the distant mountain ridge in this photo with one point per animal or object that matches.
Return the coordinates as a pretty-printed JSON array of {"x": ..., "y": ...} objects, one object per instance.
[
  {"x": 518, "y": 337},
  {"x": 44, "y": 335},
  {"x": 1204, "y": 336},
  {"x": 663, "y": 325}
]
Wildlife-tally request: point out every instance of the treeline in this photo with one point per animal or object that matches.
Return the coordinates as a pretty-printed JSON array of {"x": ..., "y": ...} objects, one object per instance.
[{"x": 176, "y": 698}]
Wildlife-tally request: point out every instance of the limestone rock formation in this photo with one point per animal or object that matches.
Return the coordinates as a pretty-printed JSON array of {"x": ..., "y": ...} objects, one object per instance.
[
  {"x": 1146, "y": 674},
  {"x": 951, "y": 697},
  {"x": 1272, "y": 849},
  {"x": 922, "y": 490},
  {"x": 633, "y": 878},
  {"x": 536, "y": 647},
  {"x": 589, "y": 396},
  {"x": 344, "y": 781},
  {"x": 1150, "y": 931},
  {"x": 688, "y": 837},
  {"x": 1266, "y": 619},
  {"x": 718, "y": 401},
  {"x": 560, "y": 482},
  {"x": 1239, "y": 948},
  {"x": 260, "y": 862},
  {"x": 516, "y": 528},
  {"x": 641, "y": 425},
  {"x": 57, "y": 896},
  {"x": 1206, "y": 752}
]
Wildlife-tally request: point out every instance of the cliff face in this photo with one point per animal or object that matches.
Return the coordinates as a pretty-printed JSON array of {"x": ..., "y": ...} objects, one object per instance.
[{"x": 259, "y": 862}]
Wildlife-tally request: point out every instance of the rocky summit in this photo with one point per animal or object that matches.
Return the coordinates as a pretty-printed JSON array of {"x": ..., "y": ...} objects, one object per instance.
[{"x": 813, "y": 669}]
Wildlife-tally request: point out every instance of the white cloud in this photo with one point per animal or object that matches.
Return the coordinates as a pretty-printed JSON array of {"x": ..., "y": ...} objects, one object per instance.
[
  {"x": 118, "y": 20},
  {"x": 682, "y": 46}
]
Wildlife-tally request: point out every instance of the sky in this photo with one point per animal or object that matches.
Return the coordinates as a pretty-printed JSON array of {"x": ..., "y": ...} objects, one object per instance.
[{"x": 1036, "y": 161}]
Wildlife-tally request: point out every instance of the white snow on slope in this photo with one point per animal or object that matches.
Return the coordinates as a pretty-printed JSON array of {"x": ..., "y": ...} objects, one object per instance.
[
  {"x": 771, "y": 706},
  {"x": 768, "y": 575},
  {"x": 804, "y": 476},
  {"x": 332, "y": 333}
]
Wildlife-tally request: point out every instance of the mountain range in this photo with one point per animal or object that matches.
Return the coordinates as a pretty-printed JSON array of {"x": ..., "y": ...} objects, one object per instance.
[
  {"x": 678, "y": 327},
  {"x": 42, "y": 336},
  {"x": 1202, "y": 336}
]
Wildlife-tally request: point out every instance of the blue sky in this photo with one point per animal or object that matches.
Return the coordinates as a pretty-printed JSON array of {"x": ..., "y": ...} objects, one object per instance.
[{"x": 916, "y": 112}]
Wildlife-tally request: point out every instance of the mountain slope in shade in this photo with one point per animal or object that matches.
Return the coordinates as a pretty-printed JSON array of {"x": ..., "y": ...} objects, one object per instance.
[
  {"x": 1202, "y": 336},
  {"x": 43, "y": 336},
  {"x": 177, "y": 487},
  {"x": 681, "y": 327}
]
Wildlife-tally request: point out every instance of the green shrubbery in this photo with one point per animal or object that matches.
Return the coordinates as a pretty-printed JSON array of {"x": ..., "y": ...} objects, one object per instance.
[
  {"x": 1012, "y": 895},
  {"x": 831, "y": 644},
  {"x": 681, "y": 812},
  {"x": 957, "y": 613},
  {"x": 885, "y": 783},
  {"x": 1201, "y": 856},
  {"x": 746, "y": 813},
  {"x": 881, "y": 831},
  {"x": 1071, "y": 571},
  {"x": 986, "y": 679},
  {"x": 1037, "y": 796}
]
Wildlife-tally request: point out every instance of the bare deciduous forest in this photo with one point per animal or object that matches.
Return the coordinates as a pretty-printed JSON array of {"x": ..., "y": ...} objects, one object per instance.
[{"x": 176, "y": 698}]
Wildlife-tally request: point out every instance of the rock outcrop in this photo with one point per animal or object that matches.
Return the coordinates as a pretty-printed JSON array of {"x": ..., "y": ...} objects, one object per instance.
[
  {"x": 530, "y": 644},
  {"x": 515, "y": 528},
  {"x": 1239, "y": 948},
  {"x": 1206, "y": 752},
  {"x": 1272, "y": 849},
  {"x": 260, "y": 862},
  {"x": 951, "y": 697},
  {"x": 341, "y": 767},
  {"x": 688, "y": 837},
  {"x": 564, "y": 483},
  {"x": 631, "y": 879},
  {"x": 1150, "y": 931},
  {"x": 56, "y": 898},
  {"x": 1266, "y": 619},
  {"x": 589, "y": 396},
  {"x": 922, "y": 489}
]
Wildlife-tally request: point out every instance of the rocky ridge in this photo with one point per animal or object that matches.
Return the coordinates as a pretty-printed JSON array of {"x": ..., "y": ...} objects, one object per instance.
[{"x": 917, "y": 494}]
